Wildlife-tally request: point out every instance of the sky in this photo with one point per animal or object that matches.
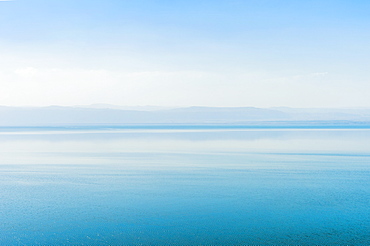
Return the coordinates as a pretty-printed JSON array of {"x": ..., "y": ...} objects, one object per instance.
[{"x": 224, "y": 53}]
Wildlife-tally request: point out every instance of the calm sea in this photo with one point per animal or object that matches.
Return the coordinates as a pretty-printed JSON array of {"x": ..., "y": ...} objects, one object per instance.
[{"x": 184, "y": 186}]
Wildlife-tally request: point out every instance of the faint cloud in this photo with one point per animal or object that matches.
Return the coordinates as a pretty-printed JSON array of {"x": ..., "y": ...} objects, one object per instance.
[
  {"x": 27, "y": 72},
  {"x": 298, "y": 77},
  {"x": 320, "y": 74}
]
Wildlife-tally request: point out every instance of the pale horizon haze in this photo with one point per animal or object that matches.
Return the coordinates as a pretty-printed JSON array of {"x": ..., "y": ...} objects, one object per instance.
[{"x": 224, "y": 53}]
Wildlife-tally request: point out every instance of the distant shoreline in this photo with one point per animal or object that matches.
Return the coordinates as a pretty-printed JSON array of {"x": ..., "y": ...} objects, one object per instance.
[{"x": 291, "y": 125}]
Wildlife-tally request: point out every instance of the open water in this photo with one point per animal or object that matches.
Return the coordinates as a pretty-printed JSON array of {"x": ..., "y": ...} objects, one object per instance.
[{"x": 184, "y": 186}]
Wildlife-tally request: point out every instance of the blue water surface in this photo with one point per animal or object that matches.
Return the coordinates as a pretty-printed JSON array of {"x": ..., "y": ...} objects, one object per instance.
[{"x": 188, "y": 187}]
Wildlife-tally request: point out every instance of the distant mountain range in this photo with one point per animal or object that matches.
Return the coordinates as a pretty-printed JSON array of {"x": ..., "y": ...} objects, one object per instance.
[{"x": 116, "y": 115}]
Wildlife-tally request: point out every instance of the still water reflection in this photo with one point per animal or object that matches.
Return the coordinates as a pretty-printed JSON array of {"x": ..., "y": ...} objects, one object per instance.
[{"x": 185, "y": 187}]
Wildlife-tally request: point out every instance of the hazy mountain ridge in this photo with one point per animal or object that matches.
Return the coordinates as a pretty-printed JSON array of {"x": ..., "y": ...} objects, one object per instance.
[{"x": 60, "y": 115}]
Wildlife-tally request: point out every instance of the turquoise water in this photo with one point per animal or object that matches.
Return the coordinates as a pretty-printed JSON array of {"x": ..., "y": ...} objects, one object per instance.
[{"x": 184, "y": 186}]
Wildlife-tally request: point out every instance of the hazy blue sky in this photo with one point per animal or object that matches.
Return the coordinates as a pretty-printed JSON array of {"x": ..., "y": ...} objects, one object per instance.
[{"x": 261, "y": 53}]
